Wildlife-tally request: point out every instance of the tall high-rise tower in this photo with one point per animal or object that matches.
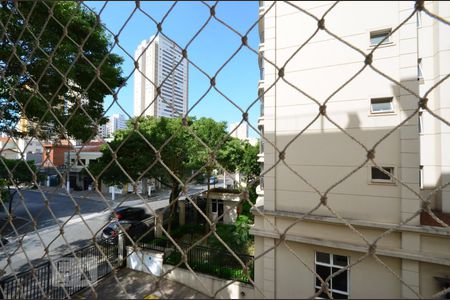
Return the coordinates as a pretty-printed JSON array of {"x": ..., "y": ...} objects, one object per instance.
[{"x": 160, "y": 66}]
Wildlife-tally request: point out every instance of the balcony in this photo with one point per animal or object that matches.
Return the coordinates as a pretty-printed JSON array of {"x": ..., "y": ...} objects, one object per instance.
[
  {"x": 261, "y": 55},
  {"x": 261, "y": 86},
  {"x": 261, "y": 157},
  {"x": 262, "y": 8},
  {"x": 261, "y": 122}
]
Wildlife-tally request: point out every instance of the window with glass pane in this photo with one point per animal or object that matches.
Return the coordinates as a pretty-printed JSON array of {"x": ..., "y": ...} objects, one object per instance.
[
  {"x": 419, "y": 69},
  {"x": 328, "y": 264},
  {"x": 381, "y": 36},
  {"x": 381, "y": 105},
  {"x": 378, "y": 175}
]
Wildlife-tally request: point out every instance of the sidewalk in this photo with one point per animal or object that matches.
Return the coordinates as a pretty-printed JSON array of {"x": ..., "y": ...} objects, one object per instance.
[
  {"x": 83, "y": 194},
  {"x": 139, "y": 285}
]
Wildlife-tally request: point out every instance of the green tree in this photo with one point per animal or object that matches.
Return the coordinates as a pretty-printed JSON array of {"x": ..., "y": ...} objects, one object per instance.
[
  {"x": 213, "y": 134},
  {"x": 249, "y": 166},
  {"x": 15, "y": 172},
  {"x": 173, "y": 143},
  {"x": 231, "y": 154},
  {"x": 44, "y": 66}
]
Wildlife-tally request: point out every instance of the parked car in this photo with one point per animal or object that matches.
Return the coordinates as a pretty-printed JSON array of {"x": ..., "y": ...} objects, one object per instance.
[
  {"x": 137, "y": 230},
  {"x": 134, "y": 220},
  {"x": 213, "y": 180},
  {"x": 128, "y": 213}
]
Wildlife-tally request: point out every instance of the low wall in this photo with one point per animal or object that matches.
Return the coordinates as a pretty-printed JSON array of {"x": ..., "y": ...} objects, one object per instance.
[{"x": 236, "y": 290}]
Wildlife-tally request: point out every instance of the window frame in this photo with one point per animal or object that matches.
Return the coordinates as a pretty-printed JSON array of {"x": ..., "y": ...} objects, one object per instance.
[
  {"x": 331, "y": 265},
  {"x": 419, "y": 69},
  {"x": 390, "y": 181},
  {"x": 391, "y": 111},
  {"x": 379, "y": 32},
  {"x": 420, "y": 122},
  {"x": 421, "y": 177}
]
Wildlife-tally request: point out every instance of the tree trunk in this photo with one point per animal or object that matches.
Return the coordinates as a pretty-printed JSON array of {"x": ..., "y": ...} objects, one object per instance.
[
  {"x": 173, "y": 204},
  {"x": 144, "y": 186},
  {"x": 208, "y": 202},
  {"x": 10, "y": 201}
]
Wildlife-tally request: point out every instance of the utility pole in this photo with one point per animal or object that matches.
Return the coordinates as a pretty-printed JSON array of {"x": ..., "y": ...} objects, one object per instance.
[{"x": 68, "y": 172}]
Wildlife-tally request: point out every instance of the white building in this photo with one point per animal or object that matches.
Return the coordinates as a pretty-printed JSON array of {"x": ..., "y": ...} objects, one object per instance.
[
  {"x": 115, "y": 122},
  {"x": 160, "y": 69},
  {"x": 368, "y": 108},
  {"x": 14, "y": 147},
  {"x": 239, "y": 131}
]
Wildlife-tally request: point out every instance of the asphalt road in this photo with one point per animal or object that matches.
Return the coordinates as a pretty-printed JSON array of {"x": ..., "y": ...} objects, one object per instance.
[
  {"x": 29, "y": 247},
  {"x": 28, "y": 205}
]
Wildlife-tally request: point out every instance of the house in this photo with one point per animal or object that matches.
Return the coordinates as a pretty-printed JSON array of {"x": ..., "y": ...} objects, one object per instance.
[
  {"x": 58, "y": 156},
  {"x": 369, "y": 226},
  {"x": 80, "y": 157},
  {"x": 226, "y": 202}
]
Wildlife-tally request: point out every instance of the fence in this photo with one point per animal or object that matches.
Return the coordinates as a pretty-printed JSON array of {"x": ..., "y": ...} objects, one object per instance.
[
  {"x": 354, "y": 125},
  {"x": 204, "y": 259},
  {"x": 63, "y": 277}
]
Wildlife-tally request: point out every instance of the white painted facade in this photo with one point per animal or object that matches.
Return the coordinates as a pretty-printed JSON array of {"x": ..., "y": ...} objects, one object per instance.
[
  {"x": 324, "y": 154},
  {"x": 238, "y": 130},
  {"x": 160, "y": 66}
]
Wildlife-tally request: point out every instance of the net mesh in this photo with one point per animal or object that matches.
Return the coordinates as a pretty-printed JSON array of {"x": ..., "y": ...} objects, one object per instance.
[{"x": 45, "y": 67}]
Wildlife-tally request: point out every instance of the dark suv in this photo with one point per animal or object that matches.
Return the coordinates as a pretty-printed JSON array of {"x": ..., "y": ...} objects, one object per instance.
[
  {"x": 137, "y": 230},
  {"x": 128, "y": 213},
  {"x": 134, "y": 220}
]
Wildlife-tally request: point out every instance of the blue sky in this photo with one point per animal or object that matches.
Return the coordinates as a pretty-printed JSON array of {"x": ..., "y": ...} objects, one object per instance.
[{"x": 210, "y": 50}]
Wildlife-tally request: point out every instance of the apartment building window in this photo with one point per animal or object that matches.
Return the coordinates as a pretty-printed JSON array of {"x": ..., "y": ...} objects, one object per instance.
[
  {"x": 381, "y": 105},
  {"x": 327, "y": 264},
  {"x": 379, "y": 176},
  {"x": 419, "y": 69},
  {"x": 421, "y": 177},
  {"x": 420, "y": 124},
  {"x": 380, "y": 37}
]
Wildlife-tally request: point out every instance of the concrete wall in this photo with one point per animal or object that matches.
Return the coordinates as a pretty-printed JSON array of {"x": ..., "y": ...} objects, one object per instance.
[
  {"x": 209, "y": 284},
  {"x": 206, "y": 284},
  {"x": 363, "y": 283},
  {"x": 324, "y": 154}
]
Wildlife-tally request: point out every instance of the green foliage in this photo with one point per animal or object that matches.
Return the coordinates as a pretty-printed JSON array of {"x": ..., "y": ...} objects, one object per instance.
[
  {"x": 68, "y": 82},
  {"x": 246, "y": 207},
  {"x": 231, "y": 154},
  {"x": 236, "y": 236},
  {"x": 16, "y": 172},
  {"x": 180, "y": 231},
  {"x": 138, "y": 153},
  {"x": 249, "y": 165},
  {"x": 212, "y": 261}
]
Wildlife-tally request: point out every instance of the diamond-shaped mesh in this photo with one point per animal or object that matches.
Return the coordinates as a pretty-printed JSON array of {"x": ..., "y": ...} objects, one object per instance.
[{"x": 54, "y": 79}]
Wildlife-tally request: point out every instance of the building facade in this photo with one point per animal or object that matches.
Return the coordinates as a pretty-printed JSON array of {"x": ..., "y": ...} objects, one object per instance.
[
  {"x": 161, "y": 69},
  {"x": 364, "y": 112},
  {"x": 115, "y": 122},
  {"x": 239, "y": 131}
]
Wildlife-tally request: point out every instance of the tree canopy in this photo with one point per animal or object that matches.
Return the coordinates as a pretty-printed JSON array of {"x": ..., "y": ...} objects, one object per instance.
[
  {"x": 179, "y": 151},
  {"x": 15, "y": 172},
  {"x": 137, "y": 154},
  {"x": 54, "y": 63}
]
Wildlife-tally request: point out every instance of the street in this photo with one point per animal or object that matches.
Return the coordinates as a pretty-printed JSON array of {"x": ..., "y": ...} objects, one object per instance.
[{"x": 78, "y": 230}]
